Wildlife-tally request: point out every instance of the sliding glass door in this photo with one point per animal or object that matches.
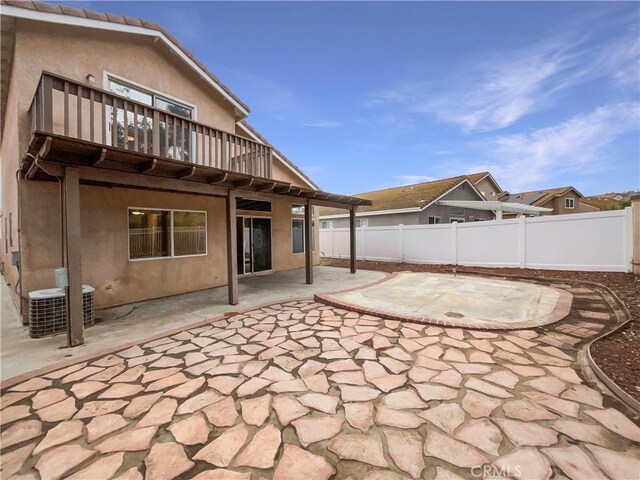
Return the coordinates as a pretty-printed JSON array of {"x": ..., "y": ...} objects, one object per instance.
[{"x": 254, "y": 244}]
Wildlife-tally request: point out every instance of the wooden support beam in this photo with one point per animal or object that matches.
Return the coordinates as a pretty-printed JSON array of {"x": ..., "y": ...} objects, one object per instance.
[
  {"x": 73, "y": 249},
  {"x": 232, "y": 249},
  {"x": 101, "y": 157},
  {"x": 352, "y": 239},
  {"x": 308, "y": 242},
  {"x": 187, "y": 172},
  {"x": 149, "y": 166},
  {"x": 127, "y": 179}
]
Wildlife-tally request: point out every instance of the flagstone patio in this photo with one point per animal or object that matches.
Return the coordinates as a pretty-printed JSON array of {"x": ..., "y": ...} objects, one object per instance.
[{"x": 301, "y": 390}]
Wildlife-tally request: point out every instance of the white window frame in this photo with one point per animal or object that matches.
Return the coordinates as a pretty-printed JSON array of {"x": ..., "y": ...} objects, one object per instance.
[
  {"x": 294, "y": 205},
  {"x": 171, "y": 249},
  {"x": 109, "y": 110},
  {"x": 457, "y": 220},
  {"x": 105, "y": 83},
  {"x": 571, "y": 201},
  {"x": 364, "y": 222},
  {"x": 329, "y": 224},
  {"x": 304, "y": 231},
  {"x": 434, "y": 220}
]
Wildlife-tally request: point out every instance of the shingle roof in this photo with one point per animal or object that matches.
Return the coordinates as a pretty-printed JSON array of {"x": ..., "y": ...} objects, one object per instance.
[
  {"x": 407, "y": 196},
  {"x": 476, "y": 177},
  {"x": 603, "y": 203},
  {"x": 537, "y": 197},
  {"x": 122, "y": 20}
]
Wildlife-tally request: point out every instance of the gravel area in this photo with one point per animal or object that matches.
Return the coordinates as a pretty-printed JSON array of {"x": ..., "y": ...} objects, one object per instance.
[{"x": 617, "y": 355}]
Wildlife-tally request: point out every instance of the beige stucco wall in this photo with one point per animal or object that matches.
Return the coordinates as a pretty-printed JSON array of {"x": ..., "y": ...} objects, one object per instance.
[
  {"x": 74, "y": 52},
  {"x": 487, "y": 186},
  {"x": 104, "y": 226},
  {"x": 558, "y": 205}
]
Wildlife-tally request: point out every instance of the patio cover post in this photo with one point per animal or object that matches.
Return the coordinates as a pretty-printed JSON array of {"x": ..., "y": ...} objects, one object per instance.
[
  {"x": 232, "y": 248},
  {"x": 73, "y": 255},
  {"x": 308, "y": 241},
  {"x": 352, "y": 239}
]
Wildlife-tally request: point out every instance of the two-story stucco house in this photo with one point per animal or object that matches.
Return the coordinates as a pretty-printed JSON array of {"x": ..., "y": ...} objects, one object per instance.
[
  {"x": 415, "y": 205},
  {"x": 559, "y": 201},
  {"x": 127, "y": 161}
]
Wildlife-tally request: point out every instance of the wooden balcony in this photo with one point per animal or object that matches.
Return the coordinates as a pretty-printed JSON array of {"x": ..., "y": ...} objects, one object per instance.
[{"x": 79, "y": 111}]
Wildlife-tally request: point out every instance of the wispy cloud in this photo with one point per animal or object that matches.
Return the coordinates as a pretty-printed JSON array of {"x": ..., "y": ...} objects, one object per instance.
[
  {"x": 577, "y": 146},
  {"x": 498, "y": 92},
  {"x": 409, "y": 179},
  {"x": 322, "y": 124}
]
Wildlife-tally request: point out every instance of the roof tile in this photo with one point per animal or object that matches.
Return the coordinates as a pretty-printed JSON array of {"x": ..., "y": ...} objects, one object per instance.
[
  {"x": 93, "y": 15},
  {"x": 74, "y": 12},
  {"x": 41, "y": 7}
]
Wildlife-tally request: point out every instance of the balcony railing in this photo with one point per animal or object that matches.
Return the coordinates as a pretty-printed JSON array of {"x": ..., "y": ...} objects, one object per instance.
[{"x": 65, "y": 107}]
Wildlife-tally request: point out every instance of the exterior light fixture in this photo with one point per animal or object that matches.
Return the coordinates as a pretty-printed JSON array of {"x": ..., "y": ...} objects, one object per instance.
[{"x": 91, "y": 78}]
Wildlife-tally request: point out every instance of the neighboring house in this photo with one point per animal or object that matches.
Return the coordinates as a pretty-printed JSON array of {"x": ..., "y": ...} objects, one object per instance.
[
  {"x": 561, "y": 200},
  {"x": 413, "y": 205},
  {"x": 608, "y": 201},
  {"x": 486, "y": 185},
  {"x": 166, "y": 188}
]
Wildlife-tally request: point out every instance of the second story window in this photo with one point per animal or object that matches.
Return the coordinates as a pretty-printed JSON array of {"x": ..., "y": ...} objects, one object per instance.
[
  {"x": 569, "y": 203},
  {"x": 175, "y": 140},
  {"x": 150, "y": 98}
]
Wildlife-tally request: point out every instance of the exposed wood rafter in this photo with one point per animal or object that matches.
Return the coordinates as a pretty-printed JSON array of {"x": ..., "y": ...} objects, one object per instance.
[
  {"x": 218, "y": 178},
  {"x": 100, "y": 157},
  {"x": 150, "y": 166},
  {"x": 188, "y": 172}
]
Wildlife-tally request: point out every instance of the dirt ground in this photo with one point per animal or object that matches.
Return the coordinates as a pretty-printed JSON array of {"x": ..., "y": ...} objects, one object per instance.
[{"x": 617, "y": 355}]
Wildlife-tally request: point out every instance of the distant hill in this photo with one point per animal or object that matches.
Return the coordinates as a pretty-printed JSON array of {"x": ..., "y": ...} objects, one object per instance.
[{"x": 610, "y": 201}]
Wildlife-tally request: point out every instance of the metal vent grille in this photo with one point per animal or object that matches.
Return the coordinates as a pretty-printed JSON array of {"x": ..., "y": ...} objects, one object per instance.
[{"x": 47, "y": 311}]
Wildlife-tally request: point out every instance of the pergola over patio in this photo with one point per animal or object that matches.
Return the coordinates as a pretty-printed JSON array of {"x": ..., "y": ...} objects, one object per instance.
[
  {"x": 217, "y": 163},
  {"x": 495, "y": 206}
]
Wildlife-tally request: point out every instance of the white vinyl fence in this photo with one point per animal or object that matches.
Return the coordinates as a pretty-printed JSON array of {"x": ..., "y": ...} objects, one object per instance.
[{"x": 599, "y": 241}]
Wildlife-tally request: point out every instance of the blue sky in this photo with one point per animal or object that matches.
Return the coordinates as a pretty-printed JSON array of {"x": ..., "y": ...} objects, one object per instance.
[{"x": 365, "y": 96}]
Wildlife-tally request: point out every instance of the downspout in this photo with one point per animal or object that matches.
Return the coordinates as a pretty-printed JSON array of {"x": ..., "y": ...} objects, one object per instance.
[{"x": 19, "y": 282}]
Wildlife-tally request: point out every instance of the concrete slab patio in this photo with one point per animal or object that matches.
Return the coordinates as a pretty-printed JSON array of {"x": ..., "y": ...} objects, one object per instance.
[
  {"x": 126, "y": 323},
  {"x": 301, "y": 390},
  {"x": 456, "y": 301}
]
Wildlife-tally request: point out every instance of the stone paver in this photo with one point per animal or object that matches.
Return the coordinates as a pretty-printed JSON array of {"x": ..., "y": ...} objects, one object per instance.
[
  {"x": 296, "y": 463},
  {"x": 261, "y": 450},
  {"x": 221, "y": 451},
  {"x": 405, "y": 449},
  {"x": 167, "y": 461},
  {"x": 302, "y": 390}
]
